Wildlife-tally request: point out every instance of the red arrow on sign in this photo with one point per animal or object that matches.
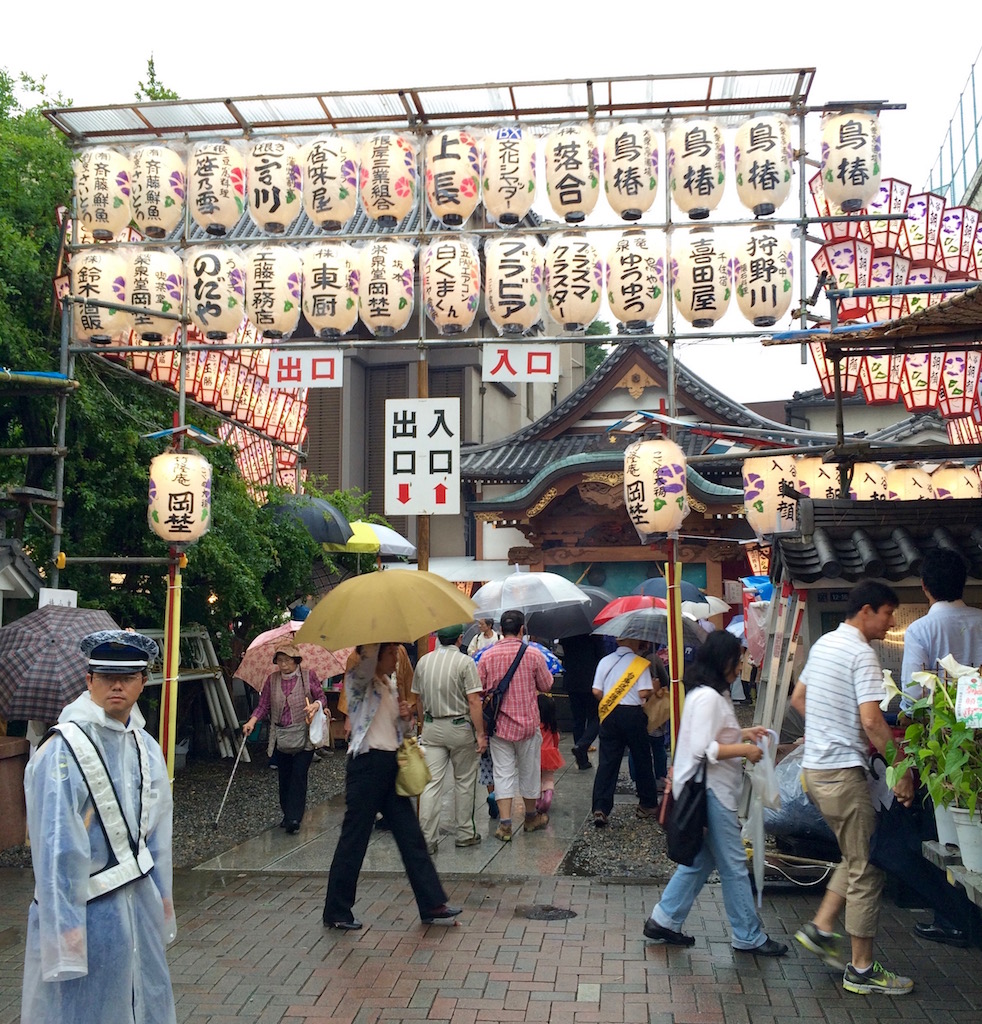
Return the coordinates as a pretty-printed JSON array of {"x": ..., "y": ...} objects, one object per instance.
[
  {"x": 441, "y": 494},
  {"x": 403, "y": 493}
]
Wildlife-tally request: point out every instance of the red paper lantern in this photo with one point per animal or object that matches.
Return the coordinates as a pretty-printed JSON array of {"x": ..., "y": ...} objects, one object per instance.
[
  {"x": 920, "y": 380},
  {"x": 849, "y": 373},
  {"x": 959, "y": 383},
  {"x": 225, "y": 401},
  {"x": 848, "y": 263},
  {"x": 924, "y": 213},
  {"x": 956, "y": 242},
  {"x": 880, "y": 378},
  {"x": 886, "y": 235},
  {"x": 213, "y": 377},
  {"x": 892, "y": 272}
]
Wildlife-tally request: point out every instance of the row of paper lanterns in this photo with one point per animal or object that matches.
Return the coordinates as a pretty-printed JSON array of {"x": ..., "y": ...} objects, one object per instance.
[
  {"x": 260, "y": 462},
  {"x": 275, "y": 179},
  {"x": 334, "y": 284}
]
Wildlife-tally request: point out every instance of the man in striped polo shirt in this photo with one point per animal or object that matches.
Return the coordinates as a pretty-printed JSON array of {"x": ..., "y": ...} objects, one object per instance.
[
  {"x": 449, "y": 691},
  {"x": 839, "y": 693}
]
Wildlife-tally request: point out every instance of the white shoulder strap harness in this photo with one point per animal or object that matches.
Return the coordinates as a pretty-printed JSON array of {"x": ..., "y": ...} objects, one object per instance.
[{"x": 130, "y": 859}]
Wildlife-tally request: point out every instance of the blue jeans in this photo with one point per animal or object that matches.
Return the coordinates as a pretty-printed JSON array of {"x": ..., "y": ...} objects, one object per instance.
[{"x": 722, "y": 849}]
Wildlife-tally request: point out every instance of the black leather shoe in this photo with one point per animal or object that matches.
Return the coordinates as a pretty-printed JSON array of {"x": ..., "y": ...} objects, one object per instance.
[
  {"x": 291, "y": 827},
  {"x": 441, "y": 913},
  {"x": 582, "y": 761},
  {"x": 653, "y": 930},
  {"x": 345, "y": 926},
  {"x": 935, "y": 933},
  {"x": 768, "y": 948}
]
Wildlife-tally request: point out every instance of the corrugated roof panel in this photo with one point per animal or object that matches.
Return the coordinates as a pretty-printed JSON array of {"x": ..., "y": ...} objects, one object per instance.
[
  {"x": 178, "y": 115},
  {"x": 280, "y": 109}
]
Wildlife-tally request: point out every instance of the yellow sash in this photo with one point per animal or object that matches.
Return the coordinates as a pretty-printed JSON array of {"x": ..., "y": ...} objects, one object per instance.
[{"x": 621, "y": 687}]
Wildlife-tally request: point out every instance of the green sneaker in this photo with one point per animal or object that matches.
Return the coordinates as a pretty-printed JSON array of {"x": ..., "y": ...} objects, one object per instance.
[
  {"x": 876, "y": 979},
  {"x": 828, "y": 947}
]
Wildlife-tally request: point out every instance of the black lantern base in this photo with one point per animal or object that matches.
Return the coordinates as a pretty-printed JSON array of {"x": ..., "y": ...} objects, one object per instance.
[
  {"x": 330, "y": 225},
  {"x": 852, "y": 205},
  {"x": 764, "y": 209},
  {"x": 575, "y": 218},
  {"x": 327, "y": 333},
  {"x": 101, "y": 339},
  {"x": 218, "y": 230},
  {"x": 384, "y": 332},
  {"x": 573, "y": 328},
  {"x": 508, "y": 219},
  {"x": 765, "y": 321},
  {"x": 152, "y": 336},
  {"x": 154, "y": 232},
  {"x": 701, "y": 213},
  {"x": 216, "y": 335},
  {"x": 513, "y": 329},
  {"x": 636, "y": 326},
  {"x": 273, "y": 335},
  {"x": 453, "y": 220},
  {"x": 631, "y": 215},
  {"x": 452, "y": 329},
  {"x": 703, "y": 324},
  {"x": 387, "y": 222},
  {"x": 102, "y": 235},
  {"x": 275, "y": 227}
]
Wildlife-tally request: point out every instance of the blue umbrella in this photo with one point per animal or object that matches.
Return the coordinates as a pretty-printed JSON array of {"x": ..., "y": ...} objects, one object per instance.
[
  {"x": 657, "y": 587},
  {"x": 554, "y": 665}
]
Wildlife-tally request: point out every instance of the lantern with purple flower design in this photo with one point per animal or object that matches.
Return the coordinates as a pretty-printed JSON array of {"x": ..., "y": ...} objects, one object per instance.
[
  {"x": 924, "y": 274},
  {"x": 275, "y": 184},
  {"x": 956, "y": 243},
  {"x": 817, "y": 480},
  {"x": 763, "y": 160},
  {"x": 216, "y": 289},
  {"x": 513, "y": 283},
  {"x": 274, "y": 276},
  {"x": 159, "y": 189},
  {"x": 767, "y": 510},
  {"x": 179, "y": 503},
  {"x": 959, "y": 383},
  {"x": 847, "y": 263},
  {"x": 702, "y": 278},
  {"x": 889, "y": 272},
  {"x": 956, "y": 482},
  {"x": 216, "y": 186},
  {"x": 386, "y": 289},
  {"x": 920, "y": 380},
  {"x": 850, "y": 165},
  {"x": 451, "y": 283},
  {"x": 388, "y": 177},
  {"x": 103, "y": 191},
  {"x": 655, "y": 487},
  {"x": 157, "y": 286},
  {"x": 696, "y": 166},
  {"x": 100, "y": 274},
  {"x": 909, "y": 483},
  {"x": 635, "y": 279},
  {"x": 879, "y": 377},
  {"x": 849, "y": 373},
  {"x": 763, "y": 275},
  {"x": 572, "y": 161},
  {"x": 630, "y": 169},
  {"x": 869, "y": 482},
  {"x": 453, "y": 175},
  {"x": 508, "y": 169},
  {"x": 925, "y": 211},
  {"x": 573, "y": 276},
  {"x": 330, "y": 176},
  {"x": 331, "y": 274},
  {"x": 889, "y": 236}
]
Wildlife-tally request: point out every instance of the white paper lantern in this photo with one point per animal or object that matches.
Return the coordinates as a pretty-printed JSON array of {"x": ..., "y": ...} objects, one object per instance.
[
  {"x": 216, "y": 186},
  {"x": 768, "y": 511},
  {"x": 157, "y": 285},
  {"x": 956, "y": 482},
  {"x": 508, "y": 169},
  {"x": 888, "y": 236},
  {"x": 453, "y": 175},
  {"x": 763, "y": 161},
  {"x": 330, "y": 288},
  {"x": 216, "y": 289},
  {"x": 275, "y": 179},
  {"x": 179, "y": 506},
  {"x": 920, "y": 380},
  {"x": 330, "y": 185},
  {"x": 959, "y": 382},
  {"x": 763, "y": 276},
  {"x": 847, "y": 264},
  {"x": 655, "y": 487},
  {"x": 888, "y": 272},
  {"x": 869, "y": 482},
  {"x": 572, "y": 162},
  {"x": 925, "y": 213},
  {"x": 850, "y": 165},
  {"x": 924, "y": 274},
  {"x": 630, "y": 169},
  {"x": 573, "y": 276},
  {"x": 636, "y": 279},
  {"x": 880, "y": 377},
  {"x": 100, "y": 274},
  {"x": 386, "y": 289},
  {"x": 816, "y": 479},
  {"x": 451, "y": 283},
  {"x": 388, "y": 178},
  {"x": 513, "y": 283},
  {"x": 909, "y": 483},
  {"x": 956, "y": 243},
  {"x": 701, "y": 278},
  {"x": 696, "y": 166},
  {"x": 274, "y": 276},
  {"x": 103, "y": 191},
  {"x": 159, "y": 190}
]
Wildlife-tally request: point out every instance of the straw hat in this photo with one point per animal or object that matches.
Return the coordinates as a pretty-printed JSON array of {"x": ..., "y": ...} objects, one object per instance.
[{"x": 289, "y": 648}]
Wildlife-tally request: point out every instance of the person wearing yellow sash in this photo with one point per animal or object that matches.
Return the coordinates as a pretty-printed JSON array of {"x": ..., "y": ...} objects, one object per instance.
[{"x": 622, "y": 684}]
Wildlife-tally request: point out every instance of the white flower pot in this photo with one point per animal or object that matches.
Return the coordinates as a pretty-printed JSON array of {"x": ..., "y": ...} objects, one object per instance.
[
  {"x": 969, "y": 831},
  {"x": 946, "y": 826}
]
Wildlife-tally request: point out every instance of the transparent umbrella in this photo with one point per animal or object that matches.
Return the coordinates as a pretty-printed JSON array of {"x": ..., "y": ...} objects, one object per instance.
[{"x": 527, "y": 592}]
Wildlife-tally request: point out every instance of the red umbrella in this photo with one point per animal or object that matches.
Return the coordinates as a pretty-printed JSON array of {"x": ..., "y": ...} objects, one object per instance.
[
  {"x": 258, "y": 661},
  {"x": 620, "y": 605}
]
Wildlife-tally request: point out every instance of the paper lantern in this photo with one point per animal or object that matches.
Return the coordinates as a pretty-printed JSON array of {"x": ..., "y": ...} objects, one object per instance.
[
  {"x": 179, "y": 507},
  {"x": 166, "y": 367},
  {"x": 890, "y": 199},
  {"x": 259, "y": 410},
  {"x": 385, "y": 295},
  {"x": 816, "y": 479},
  {"x": 630, "y": 169},
  {"x": 964, "y": 430},
  {"x": 100, "y": 274},
  {"x": 833, "y": 230},
  {"x": 275, "y": 180},
  {"x": 157, "y": 285},
  {"x": 701, "y": 278},
  {"x": 696, "y": 166},
  {"x": 159, "y": 189},
  {"x": 216, "y": 186},
  {"x": 294, "y": 430},
  {"x": 247, "y": 390},
  {"x": 959, "y": 383},
  {"x": 849, "y": 372},
  {"x": 956, "y": 242},
  {"x": 330, "y": 288},
  {"x": 655, "y": 487},
  {"x": 330, "y": 181},
  {"x": 635, "y": 279},
  {"x": 879, "y": 377},
  {"x": 925, "y": 211},
  {"x": 451, "y": 284},
  {"x": 847, "y": 263},
  {"x": 274, "y": 275},
  {"x": 763, "y": 160},
  {"x": 956, "y": 482},
  {"x": 920, "y": 380},
  {"x": 513, "y": 283},
  {"x": 216, "y": 290},
  {"x": 573, "y": 277},
  {"x": 212, "y": 378},
  {"x": 225, "y": 402},
  {"x": 453, "y": 175},
  {"x": 850, "y": 165},
  {"x": 909, "y": 483},
  {"x": 869, "y": 482},
  {"x": 508, "y": 169},
  {"x": 103, "y": 191},
  {"x": 767, "y": 510},
  {"x": 572, "y": 162},
  {"x": 888, "y": 271},
  {"x": 388, "y": 178},
  {"x": 924, "y": 274},
  {"x": 763, "y": 276}
]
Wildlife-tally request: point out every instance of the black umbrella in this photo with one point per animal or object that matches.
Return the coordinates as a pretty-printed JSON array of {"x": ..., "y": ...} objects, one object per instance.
[
  {"x": 656, "y": 586},
  {"x": 568, "y": 620},
  {"x": 323, "y": 521}
]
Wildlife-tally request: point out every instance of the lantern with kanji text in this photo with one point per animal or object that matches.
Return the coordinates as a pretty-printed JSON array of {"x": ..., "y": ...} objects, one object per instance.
[
  {"x": 959, "y": 382},
  {"x": 847, "y": 264},
  {"x": 909, "y": 483},
  {"x": 216, "y": 289},
  {"x": 956, "y": 482},
  {"x": 920, "y": 380},
  {"x": 763, "y": 275},
  {"x": 330, "y": 181},
  {"x": 924, "y": 274},
  {"x": 274, "y": 275},
  {"x": 767, "y": 510},
  {"x": 103, "y": 191},
  {"x": 216, "y": 186},
  {"x": 453, "y": 175},
  {"x": 889, "y": 272},
  {"x": 762, "y": 157},
  {"x": 925, "y": 211},
  {"x": 213, "y": 378},
  {"x": 330, "y": 288},
  {"x": 888, "y": 236},
  {"x": 572, "y": 160},
  {"x": 225, "y": 403},
  {"x": 816, "y": 479},
  {"x": 513, "y": 283},
  {"x": 655, "y": 487},
  {"x": 956, "y": 242},
  {"x": 879, "y": 377},
  {"x": 701, "y": 278},
  {"x": 573, "y": 277},
  {"x": 850, "y": 164},
  {"x": 848, "y": 373},
  {"x": 388, "y": 177},
  {"x": 100, "y": 274},
  {"x": 869, "y": 482},
  {"x": 157, "y": 286},
  {"x": 386, "y": 289},
  {"x": 635, "y": 279},
  {"x": 451, "y": 283},
  {"x": 508, "y": 168},
  {"x": 294, "y": 428},
  {"x": 275, "y": 178},
  {"x": 834, "y": 229},
  {"x": 158, "y": 191},
  {"x": 696, "y": 166},
  {"x": 630, "y": 169},
  {"x": 179, "y": 504}
]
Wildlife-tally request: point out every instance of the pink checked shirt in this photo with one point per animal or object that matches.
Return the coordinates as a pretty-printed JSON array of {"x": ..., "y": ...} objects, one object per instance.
[{"x": 518, "y": 718}]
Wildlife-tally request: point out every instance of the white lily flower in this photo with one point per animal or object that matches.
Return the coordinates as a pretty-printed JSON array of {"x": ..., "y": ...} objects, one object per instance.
[
  {"x": 926, "y": 680},
  {"x": 890, "y": 690},
  {"x": 955, "y": 670}
]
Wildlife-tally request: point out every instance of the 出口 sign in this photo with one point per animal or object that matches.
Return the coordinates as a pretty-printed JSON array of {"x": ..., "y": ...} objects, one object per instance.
[
  {"x": 306, "y": 368},
  {"x": 518, "y": 364},
  {"x": 422, "y": 456}
]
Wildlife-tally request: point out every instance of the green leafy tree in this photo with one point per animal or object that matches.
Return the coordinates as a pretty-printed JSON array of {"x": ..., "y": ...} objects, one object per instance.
[
  {"x": 596, "y": 354},
  {"x": 153, "y": 88}
]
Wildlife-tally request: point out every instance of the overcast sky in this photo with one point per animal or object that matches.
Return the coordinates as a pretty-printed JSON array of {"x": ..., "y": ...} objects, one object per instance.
[{"x": 861, "y": 52}]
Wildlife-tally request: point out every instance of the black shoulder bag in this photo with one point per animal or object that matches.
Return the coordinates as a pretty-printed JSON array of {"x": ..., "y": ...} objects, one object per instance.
[
  {"x": 491, "y": 701},
  {"x": 686, "y": 823}
]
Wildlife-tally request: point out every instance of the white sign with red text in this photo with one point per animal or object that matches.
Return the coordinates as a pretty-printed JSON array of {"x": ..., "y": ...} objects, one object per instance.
[
  {"x": 422, "y": 456},
  {"x": 306, "y": 368},
  {"x": 518, "y": 364}
]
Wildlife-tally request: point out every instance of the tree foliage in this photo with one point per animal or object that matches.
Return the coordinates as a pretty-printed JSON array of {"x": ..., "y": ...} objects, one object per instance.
[
  {"x": 153, "y": 88},
  {"x": 595, "y": 354}
]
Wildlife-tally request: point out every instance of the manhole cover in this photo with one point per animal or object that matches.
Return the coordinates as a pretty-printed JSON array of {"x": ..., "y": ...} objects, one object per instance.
[{"x": 545, "y": 913}]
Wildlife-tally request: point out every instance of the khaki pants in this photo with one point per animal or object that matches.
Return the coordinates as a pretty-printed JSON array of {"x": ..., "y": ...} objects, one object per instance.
[
  {"x": 448, "y": 743},
  {"x": 842, "y": 797}
]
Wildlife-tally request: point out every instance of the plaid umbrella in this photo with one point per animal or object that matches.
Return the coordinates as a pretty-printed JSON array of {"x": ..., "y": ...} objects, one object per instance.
[
  {"x": 258, "y": 661},
  {"x": 41, "y": 667}
]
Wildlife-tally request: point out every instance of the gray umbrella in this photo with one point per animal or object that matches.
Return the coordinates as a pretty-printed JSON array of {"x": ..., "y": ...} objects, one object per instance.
[
  {"x": 568, "y": 620},
  {"x": 650, "y": 624}
]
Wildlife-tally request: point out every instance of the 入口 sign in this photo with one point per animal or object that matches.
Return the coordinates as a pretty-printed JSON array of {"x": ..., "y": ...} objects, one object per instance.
[
  {"x": 422, "y": 456},
  {"x": 518, "y": 364}
]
